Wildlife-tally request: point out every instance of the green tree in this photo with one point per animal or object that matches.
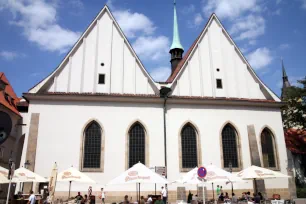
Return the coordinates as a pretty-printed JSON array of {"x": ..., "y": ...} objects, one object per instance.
[{"x": 294, "y": 110}]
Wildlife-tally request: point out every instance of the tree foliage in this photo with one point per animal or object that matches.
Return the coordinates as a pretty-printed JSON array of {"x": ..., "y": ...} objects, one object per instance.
[{"x": 294, "y": 111}]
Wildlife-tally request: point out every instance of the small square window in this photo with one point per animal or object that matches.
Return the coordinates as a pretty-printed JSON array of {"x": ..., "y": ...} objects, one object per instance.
[
  {"x": 219, "y": 83},
  {"x": 101, "y": 78}
]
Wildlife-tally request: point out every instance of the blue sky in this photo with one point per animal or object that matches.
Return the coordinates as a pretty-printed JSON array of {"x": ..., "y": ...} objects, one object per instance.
[{"x": 37, "y": 34}]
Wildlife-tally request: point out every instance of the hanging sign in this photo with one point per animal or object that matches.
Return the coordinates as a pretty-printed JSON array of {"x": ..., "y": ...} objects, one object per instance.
[{"x": 202, "y": 172}]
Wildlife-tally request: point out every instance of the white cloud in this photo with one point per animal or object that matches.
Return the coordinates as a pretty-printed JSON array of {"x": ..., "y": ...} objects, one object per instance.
[
  {"x": 76, "y": 3},
  {"x": 35, "y": 74},
  {"x": 249, "y": 27},
  {"x": 38, "y": 19},
  {"x": 260, "y": 58},
  {"x": 230, "y": 9},
  {"x": 9, "y": 55},
  {"x": 276, "y": 12},
  {"x": 134, "y": 24},
  {"x": 160, "y": 73},
  {"x": 110, "y": 4},
  {"x": 197, "y": 21},
  {"x": 303, "y": 4},
  {"x": 153, "y": 48},
  {"x": 188, "y": 9},
  {"x": 140, "y": 29},
  {"x": 284, "y": 46},
  {"x": 252, "y": 42},
  {"x": 278, "y": 1}
]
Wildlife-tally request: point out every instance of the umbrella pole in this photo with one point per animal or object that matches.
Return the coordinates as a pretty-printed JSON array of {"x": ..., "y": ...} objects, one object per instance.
[
  {"x": 197, "y": 190},
  {"x": 255, "y": 186},
  {"x": 136, "y": 192},
  {"x": 139, "y": 193},
  {"x": 69, "y": 189},
  {"x": 212, "y": 185},
  {"x": 155, "y": 189},
  {"x": 8, "y": 191}
]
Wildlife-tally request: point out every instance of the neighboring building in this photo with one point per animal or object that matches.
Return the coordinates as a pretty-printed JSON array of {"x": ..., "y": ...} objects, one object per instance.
[
  {"x": 12, "y": 128},
  {"x": 295, "y": 138},
  {"x": 101, "y": 112}
]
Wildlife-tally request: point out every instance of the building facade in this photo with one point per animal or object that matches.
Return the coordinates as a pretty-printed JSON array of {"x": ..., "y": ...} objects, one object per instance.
[
  {"x": 101, "y": 112},
  {"x": 13, "y": 111}
]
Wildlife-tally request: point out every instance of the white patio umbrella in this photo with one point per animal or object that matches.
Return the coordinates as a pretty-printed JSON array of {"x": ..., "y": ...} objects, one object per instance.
[
  {"x": 52, "y": 182},
  {"x": 25, "y": 175},
  {"x": 259, "y": 173},
  {"x": 214, "y": 175},
  {"x": 73, "y": 175},
  {"x": 138, "y": 174},
  {"x": 4, "y": 175}
]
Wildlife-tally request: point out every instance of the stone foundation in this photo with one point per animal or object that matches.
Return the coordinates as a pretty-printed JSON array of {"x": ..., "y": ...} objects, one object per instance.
[{"x": 112, "y": 196}]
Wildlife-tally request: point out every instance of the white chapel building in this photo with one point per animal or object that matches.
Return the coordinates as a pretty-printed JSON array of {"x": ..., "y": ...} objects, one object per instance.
[{"x": 101, "y": 112}]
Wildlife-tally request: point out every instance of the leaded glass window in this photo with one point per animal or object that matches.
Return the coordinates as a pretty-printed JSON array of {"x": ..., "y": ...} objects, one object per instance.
[
  {"x": 92, "y": 146},
  {"x": 136, "y": 145},
  {"x": 189, "y": 147},
  {"x": 230, "y": 147},
  {"x": 267, "y": 148}
]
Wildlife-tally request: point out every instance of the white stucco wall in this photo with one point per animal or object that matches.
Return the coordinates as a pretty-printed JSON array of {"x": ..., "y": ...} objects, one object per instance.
[
  {"x": 215, "y": 57},
  {"x": 102, "y": 43},
  {"x": 61, "y": 124}
]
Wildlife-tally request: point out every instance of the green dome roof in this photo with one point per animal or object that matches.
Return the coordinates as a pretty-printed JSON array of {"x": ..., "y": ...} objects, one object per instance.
[{"x": 176, "y": 43}]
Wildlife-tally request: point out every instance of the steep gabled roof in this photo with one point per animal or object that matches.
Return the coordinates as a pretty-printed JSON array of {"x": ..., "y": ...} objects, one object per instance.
[
  {"x": 43, "y": 82},
  {"x": 173, "y": 77},
  {"x": 8, "y": 97}
]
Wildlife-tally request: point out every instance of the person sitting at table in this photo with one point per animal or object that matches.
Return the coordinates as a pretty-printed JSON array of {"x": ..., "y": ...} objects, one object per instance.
[
  {"x": 32, "y": 198},
  {"x": 142, "y": 200},
  {"x": 159, "y": 201},
  {"x": 221, "y": 198},
  {"x": 234, "y": 199},
  {"x": 79, "y": 198},
  {"x": 260, "y": 195},
  {"x": 194, "y": 199},
  {"x": 84, "y": 200},
  {"x": 126, "y": 200},
  {"x": 150, "y": 200},
  {"x": 248, "y": 196},
  {"x": 256, "y": 198}
]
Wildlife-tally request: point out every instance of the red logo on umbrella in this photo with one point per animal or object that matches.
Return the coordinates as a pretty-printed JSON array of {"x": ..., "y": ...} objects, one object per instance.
[{"x": 133, "y": 173}]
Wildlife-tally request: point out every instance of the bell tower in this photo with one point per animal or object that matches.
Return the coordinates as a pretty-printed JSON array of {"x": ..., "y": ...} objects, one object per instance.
[
  {"x": 286, "y": 83},
  {"x": 176, "y": 49}
]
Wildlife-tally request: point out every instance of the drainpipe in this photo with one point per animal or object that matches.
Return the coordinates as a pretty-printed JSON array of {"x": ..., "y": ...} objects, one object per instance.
[{"x": 164, "y": 93}]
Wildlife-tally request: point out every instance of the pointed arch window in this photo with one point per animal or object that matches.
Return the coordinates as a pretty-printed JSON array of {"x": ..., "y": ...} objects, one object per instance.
[
  {"x": 137, "y": 145},
  {"x": 268, "y": 149},
  {"x": 230, "y": 147},
  {"x": 92, "y": 148},
  {"x": 189, "y": 147}
]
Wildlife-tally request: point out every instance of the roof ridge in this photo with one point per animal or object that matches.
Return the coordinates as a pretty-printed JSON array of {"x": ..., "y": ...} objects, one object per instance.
[{"x": 182, "y": 62}]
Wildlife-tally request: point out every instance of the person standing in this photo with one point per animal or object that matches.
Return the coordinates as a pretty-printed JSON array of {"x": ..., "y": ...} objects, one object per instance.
[
  {"x": 32, "y": 198},
  {"x": 218, "y": 191},
  {"x": 89, "y": 192},
  {"x": 164, "y": 195},
  {"x": 103, "y": 195}
]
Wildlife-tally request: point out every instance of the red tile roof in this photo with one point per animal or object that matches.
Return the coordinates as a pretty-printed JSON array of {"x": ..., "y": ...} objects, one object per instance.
[
  {"x": 296, "y": 141},
  {"x": 182, "y": 62},
  {"x": 9, "y": 104},
  {"x": 149, "y": 96}
]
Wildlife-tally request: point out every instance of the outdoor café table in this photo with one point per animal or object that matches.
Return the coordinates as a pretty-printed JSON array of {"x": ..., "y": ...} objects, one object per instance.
[{"x": 277, "y": 201}]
